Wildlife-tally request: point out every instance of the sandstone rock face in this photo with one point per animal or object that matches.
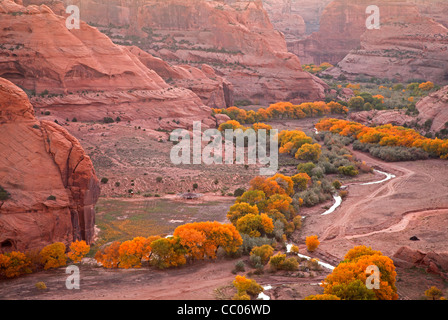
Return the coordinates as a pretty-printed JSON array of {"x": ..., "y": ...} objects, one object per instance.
[
  {"x": 214, "y": 91},
  {"x": 309, "y": 11},
  {"x": 434, "y": 9},
  {"x": 236, "y": 38},
  {"x": 84, "y": 70},
  {"x": 406, "y": 47},
  {"x": 280, "y": 12},
  {"x": 342, "y": 25},
  {"x": 41, "y": 159},
  {"x": 381, "y": 117},
  {"x": 434, "y": 262},
  {"x": 435, "y": 107}
]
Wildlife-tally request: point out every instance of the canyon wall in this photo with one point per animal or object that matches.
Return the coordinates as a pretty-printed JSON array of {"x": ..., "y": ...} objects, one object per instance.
[
  {"x": 435, "y": 107},
  {"x": 82, "y": 72},
  {"x": 405, "y": 48},
  {"x": 342, "y": 24},
  {"x": 50, "y": 180},
  {"x": 235, "y": 38}
]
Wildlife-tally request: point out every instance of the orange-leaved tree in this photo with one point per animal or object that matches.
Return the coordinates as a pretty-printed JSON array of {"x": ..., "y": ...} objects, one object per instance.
[
  {"x": 202, "y": 239},
  {"x": 301, "y": 181},
  {"x": 284, "y": 182},
  {"x": 109, "y": 257},
  {"x": 239, "y": 210},
  {"x": 132, "y": 252},
  {"x": 53, "y": 255},
  {"x": 309, "y": 152},
  {"x": 167, "y": 252},
  {"x": 14, "y": 264},
  {"x": 312, "y": 242},
  {"x": 255, "y": 225},
  {"x": 348, "y": 280},
  {"x": 323, "y": 297},
  {"x": 246, "y": 286},
  {"x": 268, "y": 186},
  {"x": 78, "y": 250}
]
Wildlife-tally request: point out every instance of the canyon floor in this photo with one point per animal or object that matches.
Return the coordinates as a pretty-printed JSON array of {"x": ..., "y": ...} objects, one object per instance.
[{"x": 384, "y": 215}]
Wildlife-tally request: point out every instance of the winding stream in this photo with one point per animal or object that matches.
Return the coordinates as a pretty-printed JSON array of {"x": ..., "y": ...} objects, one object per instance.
[
  {"x": 323, "y": 264},
  {"x": 388, "y": 177},
  {"x": 338, "y": 199},
  {"x": 337, "y": 203},
  {"x": 264, "y": 296}
]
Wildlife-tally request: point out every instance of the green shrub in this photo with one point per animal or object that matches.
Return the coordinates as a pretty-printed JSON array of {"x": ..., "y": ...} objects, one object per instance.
[
  {"x": 239, "y": 266},
  {"x": 239, "y": 192},
  {"x": 4, "y": 195},
  {"x": 348, "y": 170},
  {"x": 306, "y": 168},
  {"x": 264, "y": 252},
  {"x": 104, "y": 180}
]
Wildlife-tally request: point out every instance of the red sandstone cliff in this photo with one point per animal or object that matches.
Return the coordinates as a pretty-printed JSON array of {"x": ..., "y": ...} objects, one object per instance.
[
  {"x": 83, "y": 72},
  {"x": 406, "y": 47},
  {"x": 236, "y": 38},
  {"x": 295, "y": 18},
  {"x": 434, "y": 9},
  {"x": 342, "y": 24},
  {"x": 41, "y": 159},
  {"x": 214, "y": 90},
  {"x": 435, "y": 107}
]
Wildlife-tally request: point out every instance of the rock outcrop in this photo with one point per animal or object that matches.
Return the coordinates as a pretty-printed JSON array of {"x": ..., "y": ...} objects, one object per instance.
[
  {"x": 341, "y": 25},
  {"x": 434, "y": 9},
  {"x": 214, "y": 90},
  {"x": 435, "y": 107},
  {"x": 236, "y": 38},
  {"x": 343, "y": 29},
  {"x": 309, "y": 11},
  {"x": 285, "y": 20},
  {"x": 82, "y": 72},
  {"x": 50, "y": 180},
  {"x": 433, "y": 262},
  {"x": 381, "y": 117},
  {"x": 406, "y": 47}
]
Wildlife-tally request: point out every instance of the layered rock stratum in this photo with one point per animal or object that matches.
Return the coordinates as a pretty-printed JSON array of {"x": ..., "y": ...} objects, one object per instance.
[
  {"x": 406, "y": 47},
  {"x": 342, "y": 24},
  {"x": 50, "y": 180},
  {"x": 82, "y": 73},
  {"x": 236, "y": 38},
  {"x": 435, "y": 107}
]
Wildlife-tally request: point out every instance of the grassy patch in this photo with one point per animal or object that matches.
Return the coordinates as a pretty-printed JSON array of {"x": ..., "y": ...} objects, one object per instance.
[{"x": 120, "y": 220}]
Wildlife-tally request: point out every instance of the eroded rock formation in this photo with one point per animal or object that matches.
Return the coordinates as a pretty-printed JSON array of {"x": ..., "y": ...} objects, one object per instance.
[
  {"x": 82, "y": 72},
  {"x": 406, "y": 47},
  {"x": 236, "y": 38},
  {"x": 433, "y": 262},
  {"x": 50, "y": 180},
  {"x": 435, "y": 107},
  {"x": 342, "y": 24},
  {"x": 214, "y": 90},
  {"x": 381, "y": 117}
]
